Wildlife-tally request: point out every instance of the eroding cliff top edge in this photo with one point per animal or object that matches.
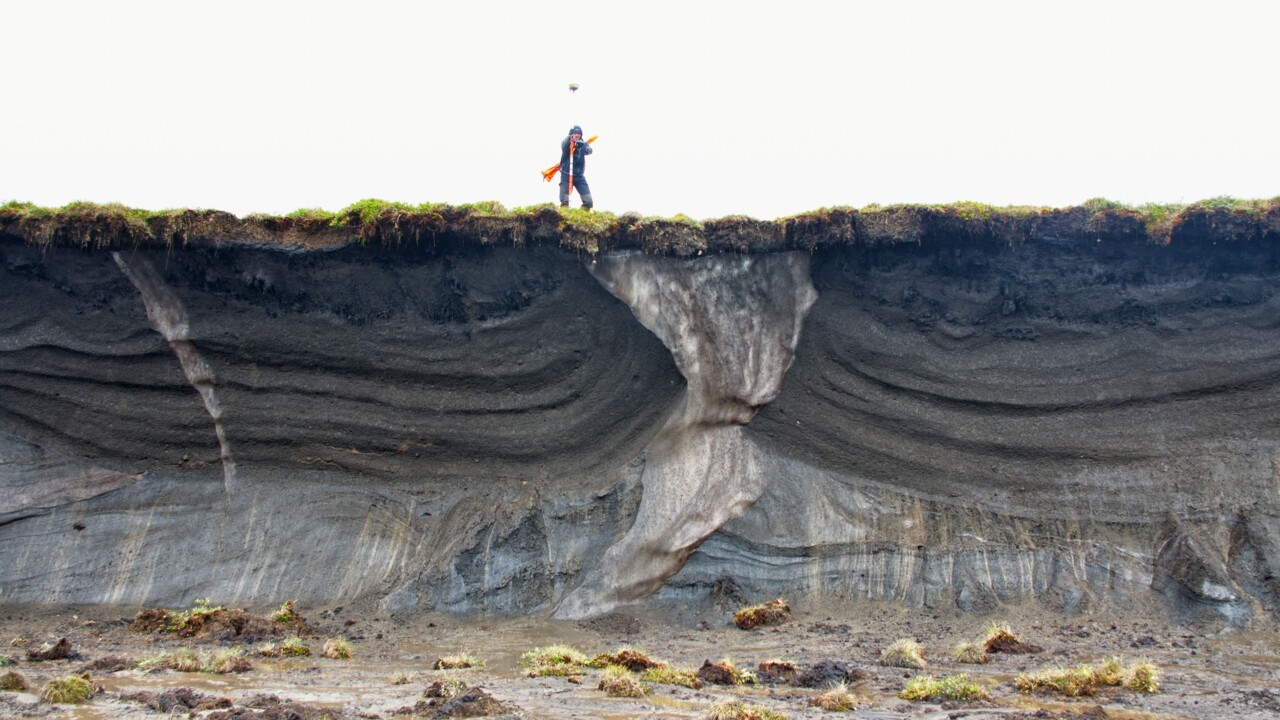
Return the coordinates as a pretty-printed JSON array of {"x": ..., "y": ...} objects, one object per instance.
[{"x": 380, "y": 223}]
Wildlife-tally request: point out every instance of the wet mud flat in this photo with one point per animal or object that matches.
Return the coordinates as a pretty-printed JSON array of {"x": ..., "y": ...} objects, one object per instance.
[{"x": 1207, "y": 670}]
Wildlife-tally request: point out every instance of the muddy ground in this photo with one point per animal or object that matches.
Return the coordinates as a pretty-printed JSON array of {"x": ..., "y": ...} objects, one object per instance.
[{"x": 1208, "y": 670}]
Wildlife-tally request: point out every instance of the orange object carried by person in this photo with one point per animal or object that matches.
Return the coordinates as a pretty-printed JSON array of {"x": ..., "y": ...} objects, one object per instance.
[{"x": 550, "y": 173}]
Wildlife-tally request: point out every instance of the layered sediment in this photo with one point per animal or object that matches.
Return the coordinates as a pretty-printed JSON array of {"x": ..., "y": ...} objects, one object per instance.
[{"x": 513, "y": 414}]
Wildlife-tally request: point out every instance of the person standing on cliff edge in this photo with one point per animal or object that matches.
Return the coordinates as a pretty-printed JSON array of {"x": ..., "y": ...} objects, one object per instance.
[{"x": 573, "y": 153}]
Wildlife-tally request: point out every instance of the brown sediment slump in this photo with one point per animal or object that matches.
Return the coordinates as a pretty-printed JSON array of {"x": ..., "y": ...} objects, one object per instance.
[
  {"x": 774, "y": 612},
  {"x": 61, "y": 650}
]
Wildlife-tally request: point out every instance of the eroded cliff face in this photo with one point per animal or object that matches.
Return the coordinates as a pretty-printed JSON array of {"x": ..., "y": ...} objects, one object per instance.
[{"x": 934, "y": 419}]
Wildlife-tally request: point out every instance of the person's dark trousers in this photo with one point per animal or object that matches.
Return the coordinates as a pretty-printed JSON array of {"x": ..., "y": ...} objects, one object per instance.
[{"x": 579, "y": 184}]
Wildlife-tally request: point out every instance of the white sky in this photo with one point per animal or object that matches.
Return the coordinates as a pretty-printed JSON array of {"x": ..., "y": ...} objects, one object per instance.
[{"x": 765, "y": 108}]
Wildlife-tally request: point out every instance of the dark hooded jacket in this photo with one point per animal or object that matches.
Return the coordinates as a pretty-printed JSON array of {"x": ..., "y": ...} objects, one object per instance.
[{"x": 579, "y": 156}]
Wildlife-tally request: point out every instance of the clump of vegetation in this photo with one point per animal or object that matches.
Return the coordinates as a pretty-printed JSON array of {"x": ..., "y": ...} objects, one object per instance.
[
  {"x": 312, "y": 214},
  {"x": 904, "y": 653},
  {"x": 774, "y": 612},
  {"x": 12, "y": 682},
  {"x": 969, "y": 210},
  {"x": 338, "y": 649},
  {"x": 1109, "y": 672},
  {"x": 742, "y": 711},
  {"x": 484, "y": 207},
  {"x": 1100, "y": 204},
  {"x": 182, "y": 621},
  {"x": 231, "y": 660},
  {"x": 588, "y": 223},
  {"x": 400, "y": 678},
  {"x": 1001, "y": 639},
  {"x": 725, "y": 673},
  {"x": 971, "y": 653},
  {"x": 457, "y": 662},
  {"x": 370, "y": 210},
  {"x": 1072, "y": 682},
  {"x": 186, "y": 660},
  {"x": 617, "y": 681},
  {"x": 69, "y": 690},
  {"x": 630, "y": 658},
  {"x": 554, "y": 661},
  {"x": 1085, "y": 680},
  {"x": 952, "y": 687},
  {"x": 1144, "y": 677},
  {"x": 671, "y": 675},
  {"x": 286, "y": 613},
  {"x": 161, "y": 661},
  {"x": 838, "y": 698},
  {"x": 292, "y": 646},
  {"x": 446, "y": 688},
  {"x": 19, "y": 642}
]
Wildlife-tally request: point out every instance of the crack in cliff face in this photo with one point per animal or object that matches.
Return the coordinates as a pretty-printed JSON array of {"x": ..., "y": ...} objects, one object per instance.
[
  {"x": 732, "y": 323},
  {"x": 169, "y": 318}
]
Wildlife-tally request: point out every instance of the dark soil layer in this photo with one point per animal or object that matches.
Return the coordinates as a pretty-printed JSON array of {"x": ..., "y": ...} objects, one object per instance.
[{"x": 391, "y": 224}]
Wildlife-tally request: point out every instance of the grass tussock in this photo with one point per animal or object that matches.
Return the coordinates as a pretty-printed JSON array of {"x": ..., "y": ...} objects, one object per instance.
[
  {"x": 69, "y": 690},
  {"x": 1086, "y": 680},
  {"x": 457, "y": 662},
  {"x": 292, "y": 646},
  {"x": 774, "y": 612},
  {"x": 553, "y": 661},
  {"x": 1143, "y": 677},
  {"x": 222, "y": 662},
  {"x": 633, "y": 659},
  {"x": 838, "y": 698},
  {"x": 287, "y": 613},
  {"x": 736, "y": 710},
  {"x": 617, "y": 681},
  {"x": 952, "y": 687},
  {"x": 671, "y": 675},
  {"x": 904, "y": 653},
  {"x": 338, "y": 649},
  {"x": 446, "y": 688},
  {"x": 971, "y": 654},
  {"x": 12, "y": 682},
  {"x": 400, "y": 678},
  {"x": 1000, "y": 638},
  {"x": 231, "y": 660}
]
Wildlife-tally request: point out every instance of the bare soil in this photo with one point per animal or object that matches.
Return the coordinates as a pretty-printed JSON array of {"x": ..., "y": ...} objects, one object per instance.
[{"x": 1207, "y": 670}]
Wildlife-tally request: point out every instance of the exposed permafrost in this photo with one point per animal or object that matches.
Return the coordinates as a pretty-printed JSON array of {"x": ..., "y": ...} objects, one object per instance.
[
  {"x": 169, "y": 318},
  {"x": 732, "y": 323}
]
